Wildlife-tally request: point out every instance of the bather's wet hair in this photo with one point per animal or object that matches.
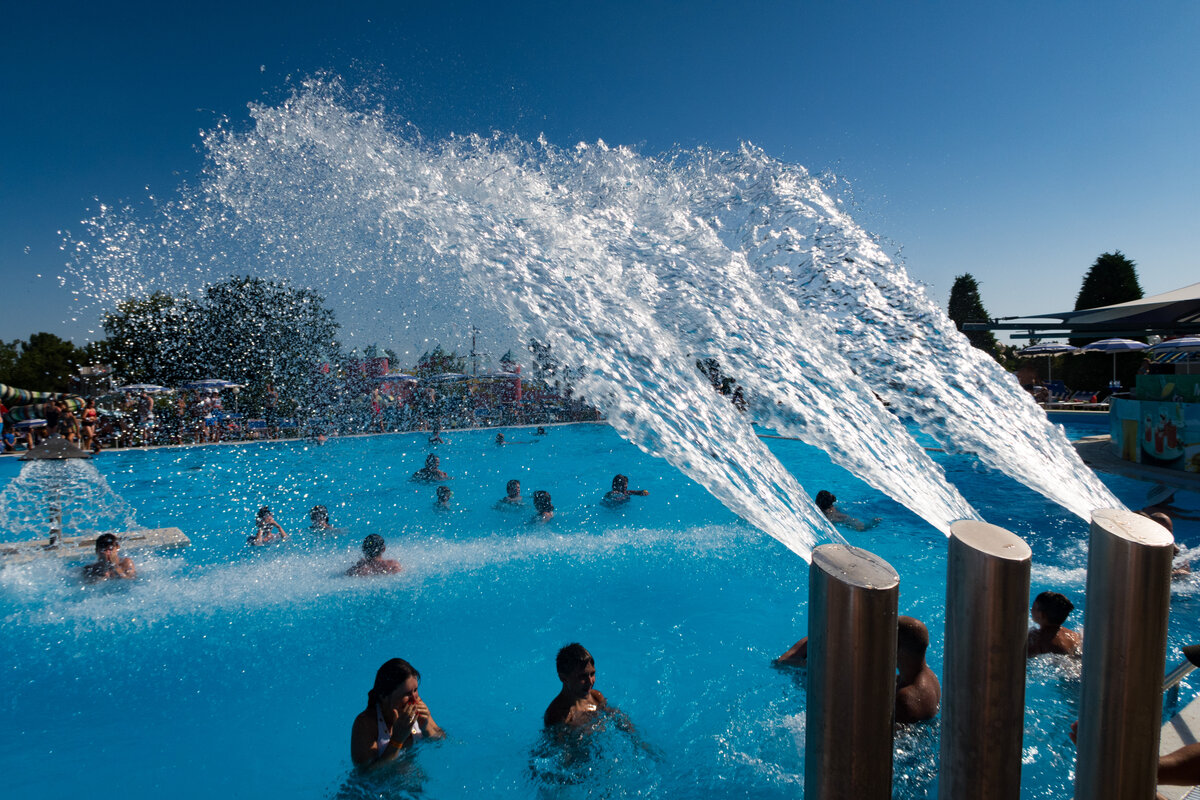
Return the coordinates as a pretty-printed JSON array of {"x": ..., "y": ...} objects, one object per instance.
[
  {"x": 106, "y": 541},
  {"x": 262, "y": 513},
  {"x": 1055, "y": 607},
  {"x": 432, "y": 461},
  {"x": 541, "y": 501},
  {"x": 513, "y": 487},
  {"x": 572, "y": 657},
  {"x": 391, "y": 675},
  {"x": 319, "y": 514},
  {"x": 825, "y": 500},
  {"x": 373, "y": 546},
  {"x": 444, "y": 493},
  {"x": 620, "y": 483},
  {"x": 912, "y": 636}
]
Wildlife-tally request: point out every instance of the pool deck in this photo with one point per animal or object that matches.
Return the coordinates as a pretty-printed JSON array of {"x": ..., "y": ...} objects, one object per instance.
[
  {"x": 1182, "y": 729},
  {"x": 1096, "y": 452}
]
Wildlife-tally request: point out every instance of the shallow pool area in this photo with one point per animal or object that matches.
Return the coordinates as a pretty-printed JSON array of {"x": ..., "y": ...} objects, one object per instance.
[{"x": 226, "y": 669}]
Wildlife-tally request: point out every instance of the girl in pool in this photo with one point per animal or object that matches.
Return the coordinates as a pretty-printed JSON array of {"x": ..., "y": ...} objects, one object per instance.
[
  {"x": 266, "y": 529},
  {"x": 395, "y": 716},
  {"x": 543, "y": 506}
]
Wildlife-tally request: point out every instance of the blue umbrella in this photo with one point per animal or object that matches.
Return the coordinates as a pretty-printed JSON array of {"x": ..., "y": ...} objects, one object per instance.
[
  {"x": 1186, "y": 344},
  {"x": 1114, "y": 346}
]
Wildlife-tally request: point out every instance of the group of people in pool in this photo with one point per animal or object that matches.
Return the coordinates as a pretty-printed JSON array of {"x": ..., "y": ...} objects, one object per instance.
[{"x": 396, "y": 716}]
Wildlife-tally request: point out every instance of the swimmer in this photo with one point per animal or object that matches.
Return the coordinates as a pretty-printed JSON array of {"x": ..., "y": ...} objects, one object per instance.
[
  {"x": 1181, "y": 568},
  {"x": 431, "y": 472},
  {"x": 621, "y": 492},
  {"x": 395, "y": 716},
  {"x": 825, "y": 501},
  {"x": 373, "y": 562},
  {"x": 436, "y": 436},
  {"x": 543, "y": 506},
  {"x": 319, "y": 519},
  {"x": 108, "y": 563},
  {"x": 443, "y": 498},
  {"x": 500, "y": 438},
  {"x": 918, "y": 692},
  {"x": 578, "y": 703},
  {"x": 265, "y": 528},
  {"x": 513, "y": 498},
  {"x": 1050, "y": 610},
  {"x": 541, "y": 431}
]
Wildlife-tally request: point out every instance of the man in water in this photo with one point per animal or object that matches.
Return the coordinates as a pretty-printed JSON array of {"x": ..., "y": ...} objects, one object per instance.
[
  {"x": 373, "y": 562},
  {"x": 918, "y": 692},
  {"x": 825, "y": 501},
  {"x": 578, "y": 703},
  {"x": 108, "y": 563},
  {"x": 431, "y": 472},
  {"x": 1050, "y": 610},
  {"x": 512, "y": 499},
  {"x": 620, "y": 492},
  {"x": 444, "y": 494}
]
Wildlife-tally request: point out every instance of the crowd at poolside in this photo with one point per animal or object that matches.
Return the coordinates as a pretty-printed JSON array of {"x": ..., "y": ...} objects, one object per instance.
[{"x": 142, "y": 419}]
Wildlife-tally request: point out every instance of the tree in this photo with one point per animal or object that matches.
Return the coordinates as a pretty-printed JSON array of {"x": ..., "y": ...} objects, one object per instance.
[
  {"x": 153, "y": 339},
  {"x": 966, "y": 306},
  {"x": 246, "y": 330},
  {"x": 1111, "y": 279},
  {"x": 545, "y": 365},
  {"x": 43, "y": 364}
]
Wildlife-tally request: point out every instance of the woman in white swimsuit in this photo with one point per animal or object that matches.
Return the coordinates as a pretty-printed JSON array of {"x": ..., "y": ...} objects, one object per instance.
[{"x": 394, "y": 718}]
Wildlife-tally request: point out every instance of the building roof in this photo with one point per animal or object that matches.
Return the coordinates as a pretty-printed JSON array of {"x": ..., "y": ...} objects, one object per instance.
[{"x": 1174, "y": 312}]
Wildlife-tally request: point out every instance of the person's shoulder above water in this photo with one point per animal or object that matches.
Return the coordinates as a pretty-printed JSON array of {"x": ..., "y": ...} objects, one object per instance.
[
  {"x": 373, "y": 562},
  {"x": 109, "y": 563}
]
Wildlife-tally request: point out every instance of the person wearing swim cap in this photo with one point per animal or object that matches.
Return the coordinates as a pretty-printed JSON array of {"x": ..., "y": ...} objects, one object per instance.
[
  {"x": 373, "y": 562},
  {"x": 395, "y": 717}
]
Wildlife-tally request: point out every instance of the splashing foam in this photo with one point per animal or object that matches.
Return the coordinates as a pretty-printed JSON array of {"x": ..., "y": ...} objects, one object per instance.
[{"x": 631, "y": 267}]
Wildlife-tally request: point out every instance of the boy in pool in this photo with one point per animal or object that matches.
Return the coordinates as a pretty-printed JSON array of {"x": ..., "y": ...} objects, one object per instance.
[
  {"x": 373, "y": 562},
  {"x": 825, "y": 501},
  {"x": 578, "y": 703},
  {"x": 265, "y": 528},
  {"x": 918, "y": 692},
  {"x": 512, "y": 499},
  {"x": 621, "y": 492},
  {"x": 443, "y": 498},
  {"x": 108, "y": 563},
  {"x": 1050, "y": 610},
  {"x": 431, "y": 472}
]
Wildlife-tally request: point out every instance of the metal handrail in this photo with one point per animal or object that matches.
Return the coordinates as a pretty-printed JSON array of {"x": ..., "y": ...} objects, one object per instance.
[{"x": 1171, "y": 683}]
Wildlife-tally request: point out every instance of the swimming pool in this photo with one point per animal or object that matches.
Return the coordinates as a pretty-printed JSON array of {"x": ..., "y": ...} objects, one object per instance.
[{"x": 232, "y": 670}]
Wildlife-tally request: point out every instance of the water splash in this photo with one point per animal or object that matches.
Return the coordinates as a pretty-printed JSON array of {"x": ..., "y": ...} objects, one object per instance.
[
  {"x": 77, "y": 492},
  {"x": 630, "y": 267}
]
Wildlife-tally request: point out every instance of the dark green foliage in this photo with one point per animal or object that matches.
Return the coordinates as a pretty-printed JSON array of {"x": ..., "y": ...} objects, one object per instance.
[
  {"x": 43, "y": 364},
  {"x": 1111, "y": 279},
  {"x": 439, "y": 362},
  {"x": 245, "y": 330},
  {"x": 966, "y": 306}
]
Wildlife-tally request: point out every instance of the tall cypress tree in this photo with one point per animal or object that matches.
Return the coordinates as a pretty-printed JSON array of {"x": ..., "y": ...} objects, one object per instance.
[
  {"x": 966, "y": 306},
  {"x": 1112, "y": 279}
]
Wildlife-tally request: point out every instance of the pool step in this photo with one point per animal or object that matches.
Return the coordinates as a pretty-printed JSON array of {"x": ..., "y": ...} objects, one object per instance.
[
  {"x": 84, "y": 547},
  {"x": 1180, "y": 730}
]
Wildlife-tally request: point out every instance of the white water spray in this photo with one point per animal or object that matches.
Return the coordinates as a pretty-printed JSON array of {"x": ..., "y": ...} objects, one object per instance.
[{"x": 630, "y": 267}]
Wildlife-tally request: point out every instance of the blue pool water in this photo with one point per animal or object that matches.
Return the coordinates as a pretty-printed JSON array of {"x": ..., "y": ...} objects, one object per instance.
[{"x": 226, "y": 670}]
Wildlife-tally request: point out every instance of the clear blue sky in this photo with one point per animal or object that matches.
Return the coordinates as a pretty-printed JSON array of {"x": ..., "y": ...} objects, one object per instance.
[{"x": 1015, "y": 141}]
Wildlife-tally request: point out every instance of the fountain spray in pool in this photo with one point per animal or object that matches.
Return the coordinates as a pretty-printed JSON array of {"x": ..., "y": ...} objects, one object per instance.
[{"x": 631, "y": 267}]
